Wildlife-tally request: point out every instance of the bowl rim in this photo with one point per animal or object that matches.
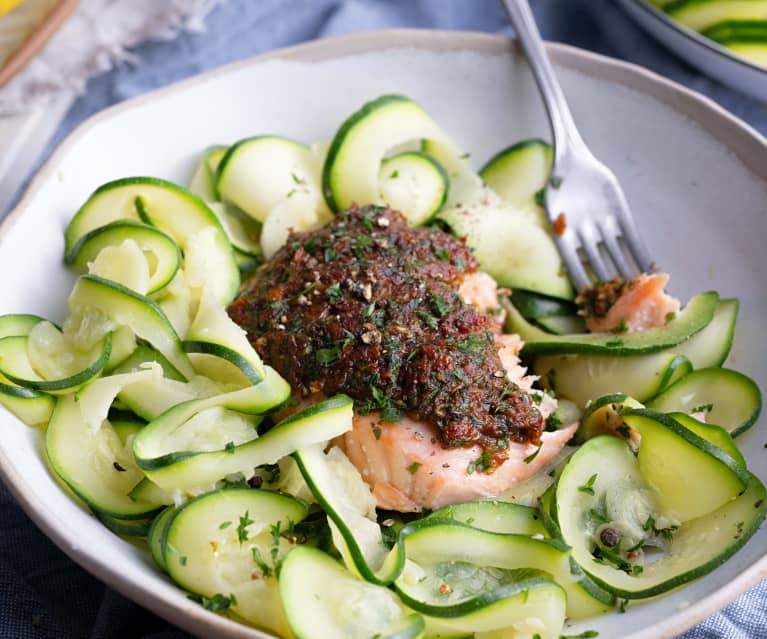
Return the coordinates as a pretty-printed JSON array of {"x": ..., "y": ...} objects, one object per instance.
[
  {"x": 658, "y": 14},
  {"x": 742, "y": 140}
]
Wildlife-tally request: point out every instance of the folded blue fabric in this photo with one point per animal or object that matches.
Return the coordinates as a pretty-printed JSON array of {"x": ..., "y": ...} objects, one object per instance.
[{"x": 42, "y": 593}]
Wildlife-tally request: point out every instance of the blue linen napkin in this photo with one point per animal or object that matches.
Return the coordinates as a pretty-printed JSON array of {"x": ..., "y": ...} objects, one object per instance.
[{"x": 44, "y": 595}]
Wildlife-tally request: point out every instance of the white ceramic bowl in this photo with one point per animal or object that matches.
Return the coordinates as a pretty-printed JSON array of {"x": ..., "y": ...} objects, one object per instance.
[
  {"x": 696, "y": 177},
  {"x": 711, "y": 58}
]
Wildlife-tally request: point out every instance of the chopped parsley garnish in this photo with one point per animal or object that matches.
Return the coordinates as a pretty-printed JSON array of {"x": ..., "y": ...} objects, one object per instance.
[
  {"x": 442, "y": 254},
  {"x": 465, "y": 156},
  {"x": 242, "y": 527},
  {"x": 334, "y": 293},
  {"x": 670, "y": 316},
  {"x": 217, "y": 603},
  {"x": 429, "y": 319},
  {"x": 705, "y": 408},
  {"x": 555, "y": 181},
  {"x": 481, "y": 464},
  {"x": 276, "y": 532},
  {"x": 413, "y": 468},
  {"x": 183, "y": 560},
  {"x": 459, "y": 375},
  {"x": 599, "y": 515},
  {"x": 291, "y": 193},
  {"x": 224, "y": 524},
  {"x": 296, "y": 179},
  {"x": 394, "y": 174},
  {"x": 440, "y": 305},
  {"x": 259, "y": 561},
  {"x": 327, "y": 356},
  {"x": 331, "y": 354},
  {"x": 588, "y": 487},
  {"x": 621, "y": 328},
  {"x": 369, "y": 309},
  {"x": 330, "y": 254},
  {"x": 636, "y": 546},
  {"x": 553, "y": 422},
  {"x": 229, "y": 448},
  {"x": 584, "y": 635},
  {"x": 649, "y": 524},
  {"x": 391, "y": 414}
]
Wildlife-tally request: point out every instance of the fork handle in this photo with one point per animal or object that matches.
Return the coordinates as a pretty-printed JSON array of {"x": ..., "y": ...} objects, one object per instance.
[{"x": 561, "y": 119}]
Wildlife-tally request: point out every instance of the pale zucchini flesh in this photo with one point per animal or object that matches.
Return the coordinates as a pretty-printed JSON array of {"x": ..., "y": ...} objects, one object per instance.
[{"x": 318, "y": 592}]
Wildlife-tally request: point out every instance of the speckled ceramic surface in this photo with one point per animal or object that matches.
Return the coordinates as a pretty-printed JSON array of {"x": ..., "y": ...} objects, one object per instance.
[{"x": 695, "y": 176}]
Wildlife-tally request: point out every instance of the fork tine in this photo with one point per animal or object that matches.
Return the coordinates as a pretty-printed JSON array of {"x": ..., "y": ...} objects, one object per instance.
[
  {"x": 631, "y": 234},
  {"x": 610, "y": 234},
  {"x": 568, "y": 249},
  {"x": 590, "y": 243}
]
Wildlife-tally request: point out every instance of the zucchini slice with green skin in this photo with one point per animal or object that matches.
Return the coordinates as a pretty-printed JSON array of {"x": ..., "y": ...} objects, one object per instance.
[
  {"x": 581, "y": 378},
  {"x": 167, "y": 256},
  {"x": 357, "y": 536},
  {"x": 520, "y": 171},
  {"x": 220, "y": 349},
  {"x": 186, "y": 471},
  {"x": 695, "y": 316},
  {"x": 18, "y": 324},
  {"x": 709, "y": 348},
  {"x": 144, "y": 354},
  {"x": 258, "y": 173},
  {"x": 299, "y": 211},
  {"x": 603, "y": 417},
  {"x": 352, "y": 167},
  {"x": 434, "y": 546},
  {"x": 534, "y": 306},
  {"x": 510, "y": 247},
  {"x": 562, "y": 324},
  {"x": 754, "y": 52},
  {"x": 695, "y": 549},
  {"x": 203, "y": 182},
  {"x": 229, "y": 543},
  {"x": 125, "y": 527},
  {"x": 529, "y": 603},
  {"x": 95, "y": 464},
  {"x": 414, "y": 183},
  {"x": 151, "y": 397},
  {"x": 30, "y": 406},
  {"x": 123, "y": 346},
  {"x": 729, "y": 398},
  {"x": 494, "y": 516},
  {"x": 739, "y": 32},
  {"x": 702, "y": 14},
  {"x": 15, "y": 366},
  {"x": 242, "y": 231},
  {"x": 321, "y": 596},
  {"x": 126, "y": 307},
  {"x": 162, "y": 441},
  {"x": 692, "y": 477},
  {"x": 168, "y": 206},
  {"x": 147, "y": 491},
  {"x": 156, "y": 536},
  {"x": 712, "y": 433},
  {"x": 554, "y": 315}
]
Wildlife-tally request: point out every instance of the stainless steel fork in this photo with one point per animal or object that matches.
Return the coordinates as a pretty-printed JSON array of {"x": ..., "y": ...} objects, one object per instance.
[{"x": 595, "y": 231}]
